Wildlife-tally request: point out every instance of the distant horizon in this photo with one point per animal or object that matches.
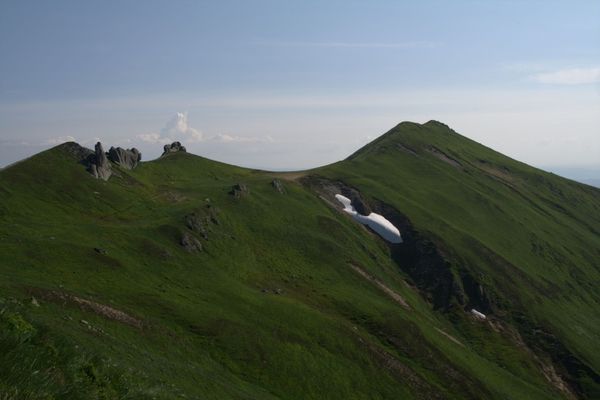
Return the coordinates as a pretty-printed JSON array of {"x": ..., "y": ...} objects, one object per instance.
[
  {"x": 248, "y": 82},
  {"x": 584, "y": 174}
]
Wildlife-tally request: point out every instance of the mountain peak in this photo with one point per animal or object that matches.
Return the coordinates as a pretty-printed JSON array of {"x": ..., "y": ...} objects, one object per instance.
[
  {"x": 407, "y": 135},
  {"x": 434, "y": 123}
]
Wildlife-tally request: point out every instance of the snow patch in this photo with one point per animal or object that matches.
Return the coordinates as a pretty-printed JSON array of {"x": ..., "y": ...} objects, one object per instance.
[
  {"x": 378, "y": 223},
  {"x": 478, "y": 314}
]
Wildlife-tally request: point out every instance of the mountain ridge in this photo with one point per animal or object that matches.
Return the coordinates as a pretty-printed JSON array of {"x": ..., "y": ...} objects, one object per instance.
[{"x": 288, "y": 297}]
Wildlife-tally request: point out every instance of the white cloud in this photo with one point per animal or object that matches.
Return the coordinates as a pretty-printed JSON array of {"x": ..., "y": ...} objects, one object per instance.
[
  {"x": 179, "y": 129},
  {"x": 176, "y": 129},
  {"x": 154, "y": 138},
  {"x": 225, "y": 138},
  {"x": 570, "y": 76},
  {"x": 59, "y": 140}
]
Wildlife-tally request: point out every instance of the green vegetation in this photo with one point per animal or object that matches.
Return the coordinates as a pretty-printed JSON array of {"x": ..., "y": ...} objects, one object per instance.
[{"x": 98, "y": 298}]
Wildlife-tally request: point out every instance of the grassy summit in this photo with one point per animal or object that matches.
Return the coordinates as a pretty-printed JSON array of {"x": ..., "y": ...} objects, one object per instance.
[{"x": 285, "y": 295}]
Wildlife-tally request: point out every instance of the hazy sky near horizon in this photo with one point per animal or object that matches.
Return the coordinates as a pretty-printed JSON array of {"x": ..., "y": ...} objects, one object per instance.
[{"x": 295, "y": 84}]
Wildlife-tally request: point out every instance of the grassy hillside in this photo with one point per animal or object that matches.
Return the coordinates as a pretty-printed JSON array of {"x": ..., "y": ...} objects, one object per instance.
[{"x": 289, "y": 298}]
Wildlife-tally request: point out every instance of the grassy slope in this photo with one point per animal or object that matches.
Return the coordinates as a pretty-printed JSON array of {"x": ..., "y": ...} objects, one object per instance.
[
  {"x": 546, "y": 227},
  {"x": 209, "y": 330}
]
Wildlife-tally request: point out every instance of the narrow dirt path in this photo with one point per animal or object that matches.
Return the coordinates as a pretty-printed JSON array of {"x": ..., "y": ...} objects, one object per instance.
[
  {"x": 87, "y": 305},
  {"x": 449, "y": 336},
  {"x": 390, "y": 292}
]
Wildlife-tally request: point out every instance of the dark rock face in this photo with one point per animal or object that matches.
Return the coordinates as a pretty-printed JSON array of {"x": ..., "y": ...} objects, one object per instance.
[
  {"x": 357, "y": 201},
  {"x": 278, "y": 186},
  {"x": 239, "y": 190},
  {"x": 127, "y": 159},
  {"x": 190, "y": 243},
  {"x": 99, "y": 166},
  {"x": 173, "y": 148},
  {"x": 422, "y": 256}
]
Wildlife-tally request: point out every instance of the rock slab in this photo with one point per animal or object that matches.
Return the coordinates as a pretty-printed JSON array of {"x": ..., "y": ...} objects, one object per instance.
[
  {"x": 99, "y": 165},
  {"x": 126, "y": 158},
  {"x": 173, "y": 148}
]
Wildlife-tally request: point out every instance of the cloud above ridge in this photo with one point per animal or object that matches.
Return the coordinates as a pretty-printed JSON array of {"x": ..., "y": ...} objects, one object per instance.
[
  {"x": 179, "y": 129},
  {"x": 59, "y": 140},
  {"x": 569, "y": 76}
]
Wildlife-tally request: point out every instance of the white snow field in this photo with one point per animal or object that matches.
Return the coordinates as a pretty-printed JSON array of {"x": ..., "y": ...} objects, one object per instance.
[{"x": 378, "y": 223}]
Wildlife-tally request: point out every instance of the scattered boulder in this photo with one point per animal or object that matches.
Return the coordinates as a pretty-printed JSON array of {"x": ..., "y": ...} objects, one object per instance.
[
  {"x": 128, "y": 159},
  {"x": 276, "y": 183},
  {"x": 173, "y": 148},
  {"x": 190, "y": 243},
  {"x": 239, "y": 190},
  {"x": 100, "y": 250},
  {"x": 99, "y": 165}
]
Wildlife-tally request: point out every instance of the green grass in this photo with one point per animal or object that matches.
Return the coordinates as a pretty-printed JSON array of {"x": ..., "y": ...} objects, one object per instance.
[{"x": 271, "y": 308}]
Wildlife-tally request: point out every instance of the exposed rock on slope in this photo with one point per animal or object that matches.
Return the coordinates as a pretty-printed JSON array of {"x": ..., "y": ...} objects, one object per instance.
[
  {"x": 127, "y": 159},
  {"x": 277, "y": 185},
  {"x": 173, "y": 148},
  {"x": 190, "y": 243},
  {"x": 239, "y": 190},
  {"x": 200, "y": 220},
  {"x": 99, "y": 165}
]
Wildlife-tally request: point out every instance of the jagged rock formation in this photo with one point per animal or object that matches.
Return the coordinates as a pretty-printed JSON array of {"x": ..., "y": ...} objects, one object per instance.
[
  {"x": 99, "y": 162},
  {"x": 99, "y": 165},
  {"x": 127, "y": 159},
  {"x": 173, "y": 148}
]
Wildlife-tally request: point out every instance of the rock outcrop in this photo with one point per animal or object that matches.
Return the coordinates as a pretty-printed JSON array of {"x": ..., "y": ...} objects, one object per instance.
[
  {"x": 190, "y": 243},
  {"x": 173, "y": 148},
  {"x": 197, "y": 223},
  {"x": 277, "y": 185},
  {"x": 99, "y": 165},
  {"x": 128, "y": 159},
  {"x": 201, "y": 220},
  {"x": 239, "y": 190}
]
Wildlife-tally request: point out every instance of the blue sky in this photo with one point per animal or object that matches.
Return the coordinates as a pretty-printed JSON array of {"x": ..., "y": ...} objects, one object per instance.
[{"x": 294, "y": 84}]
